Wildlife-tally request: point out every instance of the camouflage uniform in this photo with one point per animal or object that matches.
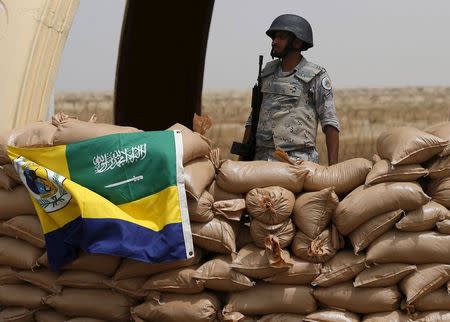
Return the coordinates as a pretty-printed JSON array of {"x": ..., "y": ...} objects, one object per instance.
[{"x": 291, "y": 107}]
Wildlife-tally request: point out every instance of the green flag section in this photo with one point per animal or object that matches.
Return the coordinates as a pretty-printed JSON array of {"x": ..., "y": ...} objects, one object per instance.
[{"x": 120, "y": 194}]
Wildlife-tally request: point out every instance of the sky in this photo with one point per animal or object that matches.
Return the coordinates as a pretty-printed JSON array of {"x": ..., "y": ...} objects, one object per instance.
[{"x": 380, "y": 43}]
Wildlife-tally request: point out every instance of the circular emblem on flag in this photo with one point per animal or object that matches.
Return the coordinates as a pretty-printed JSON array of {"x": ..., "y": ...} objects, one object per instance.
[{"x": 326, "y": 83}]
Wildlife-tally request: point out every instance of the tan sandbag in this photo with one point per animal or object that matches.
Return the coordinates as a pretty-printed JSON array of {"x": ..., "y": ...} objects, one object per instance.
[
  {"x": 218, "y": 235},
  {"x": 439, "y": 191},
  {"x": 410, "y": 247},
  {"x": 313, "y": 211},
  {"x": 9, "y": 170},
  {"x": 44, "y": 279},
  {"x": 201, "y": 307},
  {"x": 301, "y": 273},
  {"x": 443, "y": 226},
  {"x": 181, "y": 280},
  {"x": 85, "y": 319},
  {"x": 23, "y": 295},
  {"x": 441, "y": 130},
  {"x": 16, "y": 202},
  {"x": 343, "y": 176},
  {"x": 281, "y": 317},
  {"x": 267, "y": 299},
  {"x": 438, "y": 167},
  {"x": 219, "y": 194},
  {"x": 317, "y": 250},
  {"x": 341, "y": 268},
  {"x": 423, "y": 218},
  {"x": 27, "y": 228},
  {"x": 35, "y": 134},
  {"x": 100, "y": 304},
  {"x": 18, "y": 254},
  {"x": 8, "y": 276},
  {"x": 50, "y": 316},
  {"x": 366, "y": 203},
  {"x": 434, "y": 301},
  {"x": 362, "y": 236},
  {"x": 6, "y": 182},
  {"x": 130, "y": 268},
  {"x": 82, "y": 279},
  {"x": 384, "y": 171},
  {"x": 425, "y": 280},
  {"x": 261, "y": 263},
  {"x": 201, "y": 210},
  {"x": 218, "y": 275},
  {"x": 395, "y": 316},
  {"x": 383, "y": 275},
  {"x": 71, "y": 130},
  {"x": 437, "y": 316},
  {"x": 243, "y": 176},
  {"x": 195, "y": 145},
  {"x": 96, "y": 263},
  {"x": 243, "y": 236},
  {"x": 329, "y": 315},
  {"x": 231, "y": 209},
  {"x": 270, "y": 205},
  {"x": 284, "y": 231},
  {"x": 408, "y": 145},
  {"x": 17, "y": 314},
  {"x": 131, "y": 287},
  {"x": 198, "y": 174},
  {"x": 359, "y": 300}
]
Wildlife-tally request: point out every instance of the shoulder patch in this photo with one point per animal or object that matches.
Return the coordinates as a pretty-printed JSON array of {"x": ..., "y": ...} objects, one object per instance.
[{"x": 326, "y": 83}]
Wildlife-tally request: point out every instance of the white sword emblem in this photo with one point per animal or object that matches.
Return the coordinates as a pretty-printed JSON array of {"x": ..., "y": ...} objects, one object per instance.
[{"x": 134, "y": 179}]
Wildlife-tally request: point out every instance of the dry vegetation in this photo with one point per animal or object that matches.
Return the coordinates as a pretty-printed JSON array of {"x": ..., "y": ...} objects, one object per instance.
[{"x": 363, "y": 113}]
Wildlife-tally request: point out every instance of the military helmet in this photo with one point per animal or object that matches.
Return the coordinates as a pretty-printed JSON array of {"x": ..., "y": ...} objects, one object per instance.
[{"x": 299, "y": 26}]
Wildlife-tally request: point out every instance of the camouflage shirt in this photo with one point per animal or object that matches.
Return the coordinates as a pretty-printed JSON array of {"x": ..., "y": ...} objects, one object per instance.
[{"x": 292, "y": 106}]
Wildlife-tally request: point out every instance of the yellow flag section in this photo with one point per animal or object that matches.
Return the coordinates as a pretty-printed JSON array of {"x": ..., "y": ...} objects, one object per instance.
[{"x": 120, "y": 194}]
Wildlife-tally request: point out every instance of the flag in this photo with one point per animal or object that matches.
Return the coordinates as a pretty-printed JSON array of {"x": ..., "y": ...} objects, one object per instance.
[{"x": 119, "y": 194}]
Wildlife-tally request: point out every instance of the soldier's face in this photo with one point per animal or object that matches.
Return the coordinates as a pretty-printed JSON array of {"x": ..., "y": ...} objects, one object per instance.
[{"x": 281, "y": 44}]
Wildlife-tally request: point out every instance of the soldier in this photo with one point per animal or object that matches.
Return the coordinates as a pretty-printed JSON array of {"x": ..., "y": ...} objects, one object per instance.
[{"x": 296, "y": 95}]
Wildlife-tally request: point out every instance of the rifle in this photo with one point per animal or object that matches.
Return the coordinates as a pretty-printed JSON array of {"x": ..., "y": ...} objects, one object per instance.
[{"x": 247, "y": 149}]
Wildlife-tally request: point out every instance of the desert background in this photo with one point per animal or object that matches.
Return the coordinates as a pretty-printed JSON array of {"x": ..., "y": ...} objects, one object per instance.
[{"x": 364, "y": 113}]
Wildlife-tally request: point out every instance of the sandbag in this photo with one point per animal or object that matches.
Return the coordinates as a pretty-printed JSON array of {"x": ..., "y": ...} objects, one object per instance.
[
  {"x": 16, "y": 202},
  {"x": 423, "y": 218},
  {"x": 218, "y": 275},
  {"x": 284, "y": 231},
  {"x": 329, "y": 315},
  {"x": 437, "y": 316},
  {"x": 341, "y": 268},
  {"x": 281, "y": 317},
  {"x": 359, "y": 300},
  {"x": 219, "y": 194},
  {"x": 434, "y": 301},
  {"x": 243, "y": 176},
  {"x": 425, "y": 280},
  {"x": 195, "y": 145},
  {"x": 408, "y": 145},
  {"x": 395, "y": 316},
  {"x": 410, "y": 247},
  {"x": 198, "y": 174},
  {"x": 85, "y": 319},
  {"x": 181, "y": 280},
  {"x": 362, "y": 236},
  {"x": 44, "y": 279},
  {"x": 438, "y": 167},
  {"x": 16, "y": 314},
  {"x": 131, "y": 287},
  {"x": 384, "y": 171},
  {"x": 439, "y": 191},
  {"x": 82, "y": 279},
  {"x": 261, "y": 263},
  {"x": 9, "y": 170},
  {"x": 49, "y": 316},
  {"x": 201, "y": 210},
  {"x": 71, "y": 130},
  {"x": 96, "y": 263},
  {"x": 231, "y": 209},
  {"x": 443, "y": 226},
  {"x": 300, "y": 273},
  {"x": 23, "y": 295},
  {"x": 18, "y": 254},
  {"x": 267, "y": 299},
  {"x": 35, "y": 134},
  {"x": 8, "y": 276},
  {"x": 343, "y": 176},
  {"x": 383, "y": 275},
  {"x": 441, "y": 130},
  {"x": 218, "y": 235},
  {"x": 6, "y": 182},
  {"x": 313, "y": 211},
  {"x": 317, "y": 250},
  {"x": 27, "y": 228},
  {"x": 270, "y": 205},
  {"x": 130, "y": 268},
  {"x": 201, "y": 307},
  {"x": 366, "y": 203},
  {"x": 94, "y": 303}
]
